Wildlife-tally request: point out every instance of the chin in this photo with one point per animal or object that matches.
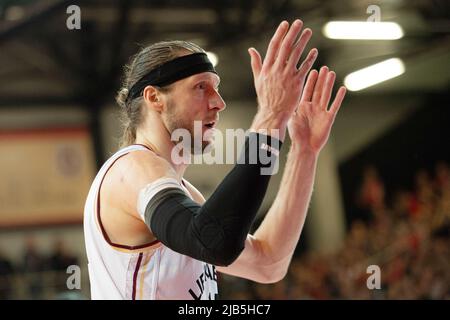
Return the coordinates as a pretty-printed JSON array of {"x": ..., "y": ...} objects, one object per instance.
[{"x": 208, "y": 146}]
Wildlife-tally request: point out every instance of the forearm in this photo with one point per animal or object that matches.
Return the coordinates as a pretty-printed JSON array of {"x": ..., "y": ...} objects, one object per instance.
[
  {"x": 216, "y": 231},
  {"x": 281, "y": 228}
]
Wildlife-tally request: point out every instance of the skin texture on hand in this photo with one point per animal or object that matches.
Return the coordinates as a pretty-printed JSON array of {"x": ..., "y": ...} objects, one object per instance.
[
  {"x": 278, "y": 81},
  {"x": 310, "y": 125}
]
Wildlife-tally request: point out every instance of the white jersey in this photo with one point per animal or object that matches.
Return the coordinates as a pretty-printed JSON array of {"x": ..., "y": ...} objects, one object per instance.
[{"x": 149, "y": 271}]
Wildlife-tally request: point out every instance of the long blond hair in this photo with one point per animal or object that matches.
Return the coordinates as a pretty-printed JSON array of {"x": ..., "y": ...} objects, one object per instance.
[{"x": 143, "y": 62}]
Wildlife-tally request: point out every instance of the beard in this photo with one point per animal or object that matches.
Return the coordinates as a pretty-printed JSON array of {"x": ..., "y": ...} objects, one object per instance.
[{"x": 174, "y": 120}]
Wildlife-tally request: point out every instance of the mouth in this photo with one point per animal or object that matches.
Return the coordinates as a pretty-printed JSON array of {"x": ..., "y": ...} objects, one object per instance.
[{"x": 211, "y": 124}]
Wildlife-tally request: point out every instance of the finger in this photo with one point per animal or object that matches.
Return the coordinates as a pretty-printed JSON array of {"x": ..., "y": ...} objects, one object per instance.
[
  {"x": 275, "y": 42},
  {"x": 320, "y": 82},
  {"x": 337, "y": 101},
  {"x": 309, "y": 87},
  {"x": 308, "y": 63},
  {"x": 288, "y": 42},
  {"x": 327, "y": 89},
  {"x": 299, "y": 47},
  {"x": 256, "y": 62}
]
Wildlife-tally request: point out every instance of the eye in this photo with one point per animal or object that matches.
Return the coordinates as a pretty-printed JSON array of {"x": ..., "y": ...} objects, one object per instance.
[{"x": 201, "y": 86}]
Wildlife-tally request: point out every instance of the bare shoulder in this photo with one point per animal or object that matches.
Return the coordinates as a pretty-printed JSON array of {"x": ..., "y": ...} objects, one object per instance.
[
  {"x": 119, "y": 194},
  {"x": 133, "y": 172},
  {"x": 142, "y": 167}
]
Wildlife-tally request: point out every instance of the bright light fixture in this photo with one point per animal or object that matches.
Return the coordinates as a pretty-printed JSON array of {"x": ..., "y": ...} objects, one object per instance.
[
  {"x": 14, "y": 13},
  {"x": 357, "y": 30},
  {"x": 374, "y": 74},
  {"x": 213, "y": 58}
]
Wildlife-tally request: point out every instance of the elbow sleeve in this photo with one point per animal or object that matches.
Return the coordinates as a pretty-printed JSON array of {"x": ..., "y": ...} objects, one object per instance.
[{"x": 187, "y": 228}]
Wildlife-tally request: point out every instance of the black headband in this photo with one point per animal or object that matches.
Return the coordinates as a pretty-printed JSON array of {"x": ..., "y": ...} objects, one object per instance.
[{"x": 174, "y": 70}]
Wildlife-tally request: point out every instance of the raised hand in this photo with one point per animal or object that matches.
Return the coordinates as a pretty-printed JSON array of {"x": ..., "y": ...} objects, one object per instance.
[
  {"x": 278, "y": 81},
  {"x": 311, "y": 123}
]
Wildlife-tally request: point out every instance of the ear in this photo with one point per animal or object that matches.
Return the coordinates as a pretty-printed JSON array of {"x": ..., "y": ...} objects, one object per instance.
[{"x": 153, "y": 98}]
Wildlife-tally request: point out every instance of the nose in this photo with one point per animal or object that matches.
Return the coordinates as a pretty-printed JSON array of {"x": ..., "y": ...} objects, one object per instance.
[{"x": 216, "y": 102}]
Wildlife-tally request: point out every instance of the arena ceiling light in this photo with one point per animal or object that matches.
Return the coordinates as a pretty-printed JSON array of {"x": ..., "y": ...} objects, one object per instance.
[
  {"x": 359, "y": 30},
  {"x": 374, "y": 74},
  {"x": 213, "y": 58},
  {"x": 14, "y": 13}
]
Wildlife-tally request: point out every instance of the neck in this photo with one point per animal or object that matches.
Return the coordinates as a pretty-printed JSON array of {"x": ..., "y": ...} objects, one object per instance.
[{"x": 158, "y": 139}]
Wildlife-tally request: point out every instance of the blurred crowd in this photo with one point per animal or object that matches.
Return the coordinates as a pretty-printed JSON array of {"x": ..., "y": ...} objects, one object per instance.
[
  {"x": 36, "y": 275},
  {"x": 407, "y": 237}
]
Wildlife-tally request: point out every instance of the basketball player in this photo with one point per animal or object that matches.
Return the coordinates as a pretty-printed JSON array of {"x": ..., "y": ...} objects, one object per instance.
[{"x": 149, "y": 233}]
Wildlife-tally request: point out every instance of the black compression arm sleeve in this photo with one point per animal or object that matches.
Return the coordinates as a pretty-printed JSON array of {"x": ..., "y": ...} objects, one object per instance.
[{"x": 216, "y": 231}]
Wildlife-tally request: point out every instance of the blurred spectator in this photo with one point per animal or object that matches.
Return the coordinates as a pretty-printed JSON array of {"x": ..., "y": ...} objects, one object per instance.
[
  {"x": 404, "y": 206},
  {"x": 33, "y": 264},
  {"x": 58, "y": 262},
  {"x": 371, "y": 193},
  {"x": 425, "y": 195},
  {"x": 60, "y": 258},
  {"x": 442, "y": 180},
  {"x": 6, "y": 272}
]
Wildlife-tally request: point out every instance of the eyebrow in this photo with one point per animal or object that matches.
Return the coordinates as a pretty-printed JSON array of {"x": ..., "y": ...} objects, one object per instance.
[{"x": 206, "y": 78}]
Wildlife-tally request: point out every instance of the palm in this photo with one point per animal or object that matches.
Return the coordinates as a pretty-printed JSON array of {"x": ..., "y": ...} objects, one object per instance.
[
  {"x": 311, "y": 124},
  {"x": 311, "y": 127}
]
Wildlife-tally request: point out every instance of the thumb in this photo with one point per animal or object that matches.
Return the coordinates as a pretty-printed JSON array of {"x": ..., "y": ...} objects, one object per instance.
[{"x": 256, "y": 62}]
